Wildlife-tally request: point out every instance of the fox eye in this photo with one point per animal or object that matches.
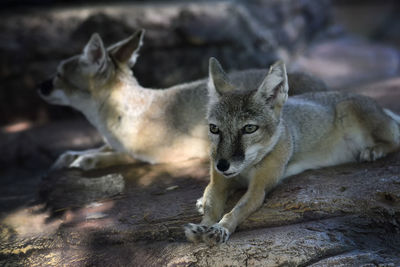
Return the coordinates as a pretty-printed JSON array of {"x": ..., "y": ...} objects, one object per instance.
[
  {"x": 214, "y": 129},
  {"x": 58, "y": 75},
  {"x": 249, "y": 128}
]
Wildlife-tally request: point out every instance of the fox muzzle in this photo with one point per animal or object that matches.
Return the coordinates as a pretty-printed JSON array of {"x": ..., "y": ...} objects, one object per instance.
[
  {"x": 223, "y": 165},
  {"x": 46, "y": 87}
]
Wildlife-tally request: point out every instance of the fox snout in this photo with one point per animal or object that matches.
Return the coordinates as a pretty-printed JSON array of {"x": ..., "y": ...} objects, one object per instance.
[
  {"x": 223, "y": 165},
  {"x": 227, "y": 168},
  {"x": 46, "y": 87},
  {"x": 229, "y": 157}
]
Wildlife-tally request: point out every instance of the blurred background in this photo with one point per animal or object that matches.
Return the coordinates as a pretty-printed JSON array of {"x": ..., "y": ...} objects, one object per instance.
[
  {"x": 352, "y": 45},
  {"x": 181, "y": 36}
]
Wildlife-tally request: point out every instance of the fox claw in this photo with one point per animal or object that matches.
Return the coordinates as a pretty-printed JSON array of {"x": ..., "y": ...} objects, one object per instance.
[
  {"x": 216, "y": 235},
  {"x": 194, "y": 232},
  {"x": 199, "y": 205},
  {"x": 65, "y": 160},
  {"x": 85, "y": 162},
  {"x": 371, "y": 154}
]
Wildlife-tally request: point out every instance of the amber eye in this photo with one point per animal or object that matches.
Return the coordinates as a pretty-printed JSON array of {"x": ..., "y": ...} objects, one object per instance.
[
  {"x": 214, "y": 129},
  {"x": 250, "y": 128}
]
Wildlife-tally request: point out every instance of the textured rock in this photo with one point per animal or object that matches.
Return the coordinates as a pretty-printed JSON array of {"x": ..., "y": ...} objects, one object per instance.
[
  {"x": 27, "y": 154},
  {"x": 67, "y": 189},
  {"x": 349, "y": 62},
  {"x": 345, "y": 215}
]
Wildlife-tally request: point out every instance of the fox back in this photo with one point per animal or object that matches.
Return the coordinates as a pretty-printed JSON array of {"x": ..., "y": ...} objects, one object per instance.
[{"x": 319, "y": 128}]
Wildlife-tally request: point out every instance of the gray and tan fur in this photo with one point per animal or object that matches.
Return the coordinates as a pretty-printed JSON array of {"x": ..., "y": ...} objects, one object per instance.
[
  {"x": 260, "y": 137},
  {"x": 151, "y": 125}
]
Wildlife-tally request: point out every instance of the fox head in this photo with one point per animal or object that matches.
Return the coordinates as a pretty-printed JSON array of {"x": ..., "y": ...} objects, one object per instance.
[
  {"x": 244, "y": 125},
  {"x": 84, "y": 78}
]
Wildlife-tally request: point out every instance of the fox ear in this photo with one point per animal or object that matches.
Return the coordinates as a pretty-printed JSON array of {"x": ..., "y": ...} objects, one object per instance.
[
  {"x": 94, "y": 54},
  {"x": 126, "y": 51},
  {"x": 218, "y": 83},
  {"x": 274, "y": 88}
]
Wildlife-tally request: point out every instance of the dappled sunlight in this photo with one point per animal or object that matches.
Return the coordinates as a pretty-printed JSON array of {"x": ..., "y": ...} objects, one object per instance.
[
  {"x": 149, "y": 174},
  {"x": 156, "y": 201},
  {"x": 31, "y": 221},
  {"x": 17, "y": 127},
  {"x": 81, "y": 140},
  {"x": 88, "y": 199},
  {"x": 37, "y": 221},
  {"x": 91, "y": 216}
]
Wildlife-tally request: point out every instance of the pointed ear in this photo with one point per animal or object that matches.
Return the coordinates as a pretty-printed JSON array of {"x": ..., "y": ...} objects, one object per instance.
[
  {"x": 126, "y": 51},
  {"x": 218, "y": 83},
  {"x": 94, "y": 54},
  {"x": 274, "y": 88}
]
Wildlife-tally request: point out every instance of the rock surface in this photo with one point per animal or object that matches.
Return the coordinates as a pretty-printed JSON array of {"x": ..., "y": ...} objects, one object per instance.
[
  {"x": 27, "y": 155},
  {"x": 345, "y": 215}
]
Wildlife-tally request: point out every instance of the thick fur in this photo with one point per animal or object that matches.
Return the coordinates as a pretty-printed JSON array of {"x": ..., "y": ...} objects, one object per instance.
[
  {"x": 307, "y": 131},
  {"x": 151, "y": 125}
]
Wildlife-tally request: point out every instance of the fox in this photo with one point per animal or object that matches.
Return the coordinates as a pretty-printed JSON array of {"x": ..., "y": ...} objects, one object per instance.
[
  {"x": 259, "y": 137},
  {"x": 152, "y": 125}
]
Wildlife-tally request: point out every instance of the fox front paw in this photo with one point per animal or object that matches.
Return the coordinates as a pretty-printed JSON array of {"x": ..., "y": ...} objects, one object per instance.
[
  {"x": 371, "y": 154},
  {"x": 65, "y": 160},
  {"x": 199, "y": 205},
  {"x": 86, "y": 162},
  {"x": 194, "y": 232},
  {"x": 215, "y": 235}
]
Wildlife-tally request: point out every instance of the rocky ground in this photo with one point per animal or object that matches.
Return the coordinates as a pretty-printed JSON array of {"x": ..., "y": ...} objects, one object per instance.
[
  {"x": 340, "y": 216},
  {"x": 133, "y": 215}
]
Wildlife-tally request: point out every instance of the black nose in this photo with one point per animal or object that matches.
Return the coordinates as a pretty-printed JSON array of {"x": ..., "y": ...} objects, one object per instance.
[
  {"x": 46, "y": 87},
  {"x": 222, "y": 165}
]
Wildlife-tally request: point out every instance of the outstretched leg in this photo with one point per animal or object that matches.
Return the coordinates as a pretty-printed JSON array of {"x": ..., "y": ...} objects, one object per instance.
[
  {"x": 213, "y": 203},
  {"x": 93, "y": 158}
]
